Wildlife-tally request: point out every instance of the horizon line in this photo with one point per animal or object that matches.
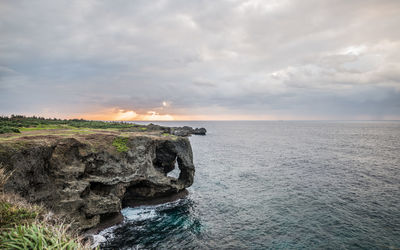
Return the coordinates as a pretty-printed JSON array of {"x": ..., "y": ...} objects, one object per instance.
[
  {"x": 198, "y": 120},
  {"x": 337, "y": 120}
]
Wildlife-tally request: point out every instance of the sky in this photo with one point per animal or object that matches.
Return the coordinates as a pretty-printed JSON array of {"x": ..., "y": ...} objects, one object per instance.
[{"x": 201, "y": 60}]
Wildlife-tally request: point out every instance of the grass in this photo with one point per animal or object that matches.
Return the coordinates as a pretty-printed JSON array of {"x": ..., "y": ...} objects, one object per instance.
[
  {"x": 58, "y": 133},
  {"x": 18, "y": 123},
  {"x": 27, "y": 226},
  {"x": 46, "y": 126},
  {"x": 3, "y": 177},
  {"x": 120, "y": 144},
  {"x": 173, "y": 137},
  {"x": 11, "y": 216},
  {"x": 38, "y": 236}
]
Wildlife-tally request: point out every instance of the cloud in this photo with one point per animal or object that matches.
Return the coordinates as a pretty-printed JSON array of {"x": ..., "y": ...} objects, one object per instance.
[
  {"x": 270, "y": 59},
  {"x": 125, "y": 115}
]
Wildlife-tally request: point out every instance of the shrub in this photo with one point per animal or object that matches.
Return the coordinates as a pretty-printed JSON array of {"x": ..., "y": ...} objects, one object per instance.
[
  {"x": 120, "y": 144},
  {"x": 6, "y": 129},
  {"x": 37, "y": 236}
]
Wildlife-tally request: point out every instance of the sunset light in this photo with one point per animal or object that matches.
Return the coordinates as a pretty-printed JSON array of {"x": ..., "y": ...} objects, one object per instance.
[{"x": 173, "y": 124}]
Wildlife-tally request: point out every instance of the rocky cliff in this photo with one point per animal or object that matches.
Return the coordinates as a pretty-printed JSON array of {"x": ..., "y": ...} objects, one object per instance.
[{"x": 90, "y": 176}]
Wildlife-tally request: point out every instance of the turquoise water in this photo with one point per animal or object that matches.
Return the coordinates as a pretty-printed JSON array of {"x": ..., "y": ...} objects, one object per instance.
[{"x": 279, "y": 185}]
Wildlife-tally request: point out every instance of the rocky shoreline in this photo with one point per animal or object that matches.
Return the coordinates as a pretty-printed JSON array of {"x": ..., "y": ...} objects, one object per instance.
[
  {"x": 89, "y": 177},
  {"x": 178, "y": 131}
]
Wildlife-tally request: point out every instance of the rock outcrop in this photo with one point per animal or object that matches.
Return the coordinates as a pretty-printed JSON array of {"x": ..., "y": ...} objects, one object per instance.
[
  {"x": 178, "y": 131},
  {"x": 88, "y": 178},
  {"x": 200, "y": 131}
]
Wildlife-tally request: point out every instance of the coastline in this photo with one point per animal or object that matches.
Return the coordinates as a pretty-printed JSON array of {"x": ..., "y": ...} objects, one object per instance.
[
  {"x": 119, "y": 218},
  {"x": 87, "y": 175}
]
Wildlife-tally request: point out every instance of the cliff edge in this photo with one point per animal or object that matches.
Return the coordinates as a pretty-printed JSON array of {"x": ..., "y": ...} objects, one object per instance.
[{"x": 90, "y": 175}]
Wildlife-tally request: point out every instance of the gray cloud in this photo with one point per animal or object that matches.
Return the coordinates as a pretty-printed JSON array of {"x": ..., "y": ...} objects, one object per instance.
[{"x": 318, "y": 59}]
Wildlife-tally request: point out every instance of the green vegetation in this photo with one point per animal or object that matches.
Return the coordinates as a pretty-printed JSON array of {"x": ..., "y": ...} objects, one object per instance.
[
  {"x": 26, "y": 226},
  {"x": 37, "y": 236},
  {"x": 46, "y": 126},
  {"x": 120, "y": 144},
  {"x": 17, "y": 123},
  {"x": 11, "y": 216},
  {"x": 6, "y": 129},
  {"x": 173, "y": 137}
]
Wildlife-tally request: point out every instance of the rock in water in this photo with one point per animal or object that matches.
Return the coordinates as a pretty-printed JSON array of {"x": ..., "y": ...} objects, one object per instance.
[
  {"x": 187, "y": 131},
  {"x": 89, "y": 177},
  {"x": 200, "y": 131},
  {"x": 178, "y": 131}
]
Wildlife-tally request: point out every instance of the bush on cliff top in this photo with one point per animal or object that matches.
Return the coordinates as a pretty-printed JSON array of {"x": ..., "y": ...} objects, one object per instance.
[
  {"x": 6, "y": 129},
  {"x": 120, "y": 144}
]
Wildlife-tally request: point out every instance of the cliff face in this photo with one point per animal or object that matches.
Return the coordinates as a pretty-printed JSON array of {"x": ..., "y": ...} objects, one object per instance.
[{"x": 90, "y": 177}]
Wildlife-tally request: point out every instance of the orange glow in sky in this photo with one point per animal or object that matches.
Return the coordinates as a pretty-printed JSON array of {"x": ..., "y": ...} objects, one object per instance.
[
  {"x": 124, "y": 115},
  {"x": 131, "y": 115},
  {"x": 162, "y": 114}
]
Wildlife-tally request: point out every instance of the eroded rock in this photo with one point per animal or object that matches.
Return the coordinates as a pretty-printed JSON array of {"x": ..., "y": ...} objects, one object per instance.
[
  {"x": 178, "y": 131},
  {"x": 200, "y": 131},
  {"x": 87, "y": 179}
]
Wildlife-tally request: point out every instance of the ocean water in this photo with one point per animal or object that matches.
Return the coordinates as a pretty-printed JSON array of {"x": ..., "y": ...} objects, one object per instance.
[{"x": 279, "y": 185}]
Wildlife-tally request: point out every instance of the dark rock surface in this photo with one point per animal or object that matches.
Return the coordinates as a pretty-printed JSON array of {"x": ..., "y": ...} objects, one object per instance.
[
  {"x": 178, "y": 131},
  {"x": 187, "y": 131},
  {"x": 200, "y": 131},
  {"x": 87, "y": 179}
]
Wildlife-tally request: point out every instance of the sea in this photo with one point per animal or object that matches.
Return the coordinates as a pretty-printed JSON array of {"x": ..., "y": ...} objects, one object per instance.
[{"x": 278, "y": 185}]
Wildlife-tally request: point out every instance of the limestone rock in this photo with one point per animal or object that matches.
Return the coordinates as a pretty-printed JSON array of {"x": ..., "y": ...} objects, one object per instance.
[
  {"x": 187, "y": 131},
  {"x": 86, "y": 178},
  {"x": 200, "y": 131}
]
